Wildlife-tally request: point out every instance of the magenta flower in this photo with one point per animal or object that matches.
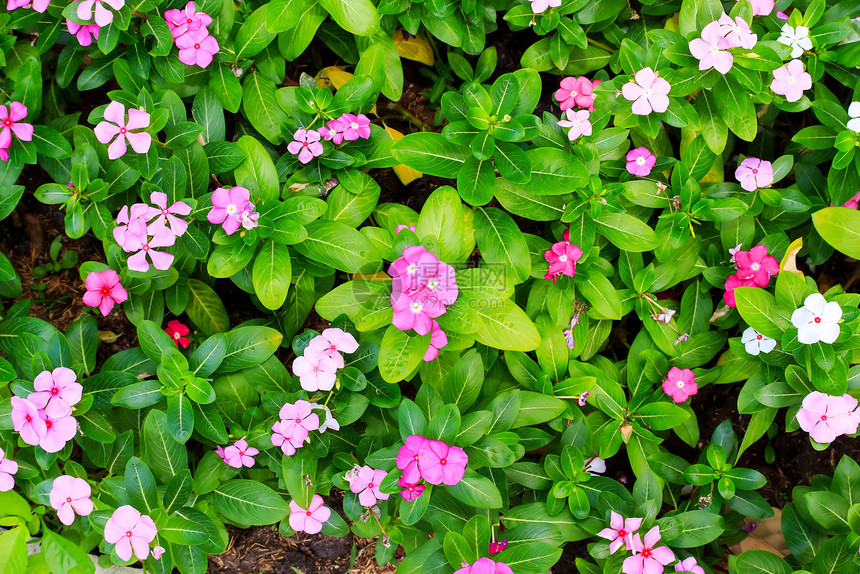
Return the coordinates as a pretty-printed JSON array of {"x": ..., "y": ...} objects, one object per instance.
[
  {"x": 58, "y": 431},
  {"x": 646, "y": 558},
  {"x": 485, "y": 565},
  {"x": 85, "y": 34},
  {"x": 852, "y": 203},
  {"x": 762, "y": 7},
  {"x": 157, "y": 552},
  {"x": 562, "y": 259},
  {"x": 307, "y": 145},
  {"x": 130, "y": 531},
  {"x": 439, "y": 284},
  {"x": 10, "y": 123},
  {"x": 689, "y": 565},
  {"x": 310, "y": 519},
  {"x": 648, "y": 92},
  {"x": 711, "y": 49},
  {"x": 680, "y": 384},
  {"x": 164, "y": 214},
  {"x": 640, "y": 161},
  {"x": 366, "y": 485},
  {"x": 114, "y": 125},
  {"x": 37, "y": 5},
  {"x": 411, "y": 228},
  {"x": 619, "y": 531},
  {"x": 185, "y": 20},
  {"x": 754, "y": 173},
  {"x": 496, "y": 547},
  {"x": 578, "y": 123},
  {"x": 315, "y": 372},
  {"x": 355, "y": 127},
  {"x": 410, "y": 491},
  {"x": 826, "y": 417},
  {"x": 56, "y": 392},
  {"x": 441, "y": 463},
  {"x": 239, "y": 454},
  {"x": 407, "y": 458},
  {"x": 576, "y": 92},
  {"x": 103, "y": 15},
  {"x": 70, "y": 496},
  {"x": 438, "y": 339},
  {"x": 732, "y": 283},
  {"x": 103, "y": 290},
  {"x": 757, "y": 265},
  {"x": 219, "y": 450},
  {"x": 226, "y": 207},
  {"x": 132, "y": 232},
  {"x": 197, "y": 47},
  {"x": 160, "y": 259},
  {"x": 405, "y": 269},
  {"x": 333, "y": 131},
  {"x": 27, "y": 422},
  {"x": 8, "y": 467},
  {"x": 413, "y": 313},
  {"x": 791, "y": 80}
]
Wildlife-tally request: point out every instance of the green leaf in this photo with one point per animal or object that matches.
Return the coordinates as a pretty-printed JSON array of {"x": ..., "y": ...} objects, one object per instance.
[
  {"x": 661, "y": 416},
  {"x": 226, "y": 86},
  {"x": 430, "y": 153},
  {"x": 555, "y": 172},
  {"x": 757, "y": 308},
  {"x": 253, "y": 37},
  {"x": 261, "y": 108},
  {"x": 83, "y": 339},
  {"x": 182, "y": 531},
  {"x": 257, "y": 172},
  {"x": 205, "y": 309},
  {"x": 691, "y": 529},
  {"x": 463, "y": 383},
  {"x": 61, "y": 555},
  {"x": 180, "y": 417},
  {"x": 505, "y": 326},
  {"x": 249, "y": 347},
  {"x": 761, "y": 562},
  {"x": 271, "y": 274},
  {"x": 597, "y": 289},
  {"x": 163, "y": 454},
  {"x": 400, "y": 353},
  {"x": 283, "y": 15},
  {"x": 626, "y": 232},
  {"x": 502, "y": 243},
  {"x": 829, "y": 510},
  {"x": 840, "y": 227},
  {"x": 340, "y": 246},
  {"x": 476, "y": 490},
  {"x": 249, "y": 502},
  {"x": 357, "y": 17},
  {"x": 140, "y": 485}
]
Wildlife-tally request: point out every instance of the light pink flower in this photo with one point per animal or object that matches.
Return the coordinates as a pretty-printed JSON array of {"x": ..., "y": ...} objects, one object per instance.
[
  {"x": 310, "y": 519},
  {"x": 103, "y": 290},
  {"x": 27, "y": 422},
  {"x": 219, "y": 450},
  {"x": 332, "y": 343},
  {"x": 562, "y": 258},
  {"x": 783, "y": 15},
  {"x": 226, "y": 207},
  {"x": 438, "y": 339},
  {"x": 187, "y": 19},
  {"x": 315, "y": 372},
  {"x": 597, "y": 464},
  {"x": 689, "y": 565},
  {"x": 355, "y": 127},
  {"x": 410, "y": 491},
  {"x": 826, "y": 417},
  {"x": 115, "y": 125},
  {"x": 757, "y": 265},
  {"x": 680, "y": 384},
  {"x": 197, "y": 47},
  {"x": 131, "y": 233},
  {"x": 288, "y": 436},
  {"x": 160, "y": 259},
  {"x": 56, "y": 392},
  {"x": 754, "y": 173},
  {"x": 646, "y": 558},
  {"x": 103, "y": 15},
  {"x": 10, "y": 123},
  {"x": 737, "y": 32},
  {"x": 578, "y": 123},
  {"x": 411, "y": 228},
  {"x": 70, "y": 496},
  {"x": 130, "y": 531},
  {"x": 640, "y": 161},
  {"x": 732, "y": 283},
  {"x": 619, "y": 531},
  {"x": 791, "y": 80},
  {"x": 711, "y": 49},
  {"x": 539, "y": 6},
  {"x": 407, "y": 458},
  {"x": 333, "y": 131},
  {"x": 239, "y": 454},
  {"x": 157, "y": 552},
  {"x": 441, "y": 463},
  {"x": 648, "y": 92},
  {"x": 366, "y": 485},
  {"x": 307, "y": 145},
  {"x": 164, "y": 214},
  {"x": 58, "y": 431},
  {"x": 485, "y": 565},
  {"x": 85, "y": 34},
  {"x": 8, "y": 467},
  {"x": 665, "y": 315},
  {"x": 299, "y": 414},
  {"x": 762, "y": 7}
]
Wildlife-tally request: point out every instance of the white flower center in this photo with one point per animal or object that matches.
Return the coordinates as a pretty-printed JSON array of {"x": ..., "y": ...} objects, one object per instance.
[
  {"x": 232, "y": 209},
  {"x": 680, "y": 384},
  {"x": 640, "y": 160},
  {"x": 755, "y": 266},
  {"x": 354, "y": 125}
]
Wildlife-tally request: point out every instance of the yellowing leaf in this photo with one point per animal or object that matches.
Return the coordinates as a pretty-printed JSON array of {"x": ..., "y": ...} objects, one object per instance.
[
  {"x": 789, "y": 261},
  {"x": 108, "y": 336},
  {"x": 405, "y": 174},
  {"x": 415, "y": 48},
  {"x": 333, "y": 77}
]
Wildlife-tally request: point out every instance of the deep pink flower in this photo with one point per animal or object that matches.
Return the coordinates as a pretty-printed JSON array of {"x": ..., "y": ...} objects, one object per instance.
[
  {"x": 177, "y": 333},
  {"x": 226, "y": 207},
  {"x": 737, "y": 32},
  {"x": 406, "y": 270},
  {"x": 315, "y": 372},
  {"x": 680, "y": 384},
  {"x": 197, "y": 47},
  {"x": 187, "y": 19},
  {"x": 712, "y": 49},
  {"x": 10, "y": 123},
  {"x": 413, "y": 312},
  {"x": 307, "y": 145},
  {"x": 757, "y": 265},
  {"x": 164, "y": 215},
  {"x": 407, "y": 458},
  {"x": 441, "y": 463},
  {"x": 732, "y": 283},
  {"x": 562, "y": 259},
  {"x": 239, "y": 454},
  {"x": 485, "y": 566},
  {"x": 333, "y": 131},
  {"x": 826, "y": 417},
  {"x": 689, "y": 565},
  {"x": 85, "y": 34},
  {"x": 410, "y": 491},
  {"x": 438, "y": 283},
  {"x": 70, "y": 496},
  {"x": 619, "y": 531},
  {"x": 310, "y": 519},
  {"x": 646, "y": 558},
  {"x": 496, "y": 547},
  {"x": 366, "y": 485},
  {"x": 114, "y": 125},
  {"x": 648, "y": 92},
  {"x": 160, "y": 259},
  {"x": 438, "y": 339},
  {"x": 56, "y": 392},
  {"x": 131, "y": 233},
  {"x": 783, "y": 15},
  {"x": 130, "y": 531},
  {"x": 640, "y": 161},
  {"x": 852, "y": 203},
  {"x": 27, "y": 422},
  {"x": 58, "y": 431},
  {"x": 754, "y": 173},
  {"x": 791, "y": 80},
  {"x": 355, "y": 127},
  {"x": 37, "y": 5},
  {"x": 103, "y": 290},
  {"x": 411, "y": 228},
  {"x": 8, "y": 467},
  {"x": 103, "y": 15},
  {"x": 576, "y": 92}
]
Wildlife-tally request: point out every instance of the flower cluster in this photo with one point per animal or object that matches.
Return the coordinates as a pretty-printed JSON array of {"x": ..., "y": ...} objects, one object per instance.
[
  {"x": 754, "y": 268},
  {"x": 131, "y": 532},
  {"x": 680, "y": 384},
  {"x": 10, "y": 123},
  {"x": 826, "y": 417},
  {"x": 648, "y": 92},
  {"x": 576, "y": 93},
  {"x": 188, "y": 28},
  {"x": 142, "y": 228},
  {"x": 318, "y": 365},
  {"x": 307, "y": 144},
  {"x": 115, "y": 125},
  {"x": 104, "y": 290},
  {"x": 647, "y": 557},
  {"x": 364, "y": 481},
  {"x": 640, "y": 161},
  {"x": 45, "y": 418},
  {"x": 484, "y": 566},
  {"x": 432, "y": 460},
  {"x": 818, "y": 320},
  {"x": 8, "y": 467},
  {"x": 70, "y": 496},
  {"x": 310, "y": 519},
  {"x": 296, "y": 421},
  {"x": 711, "y": 49},
  {"x": 232, "y": 208},
  {"x": 562, "y": 258}
]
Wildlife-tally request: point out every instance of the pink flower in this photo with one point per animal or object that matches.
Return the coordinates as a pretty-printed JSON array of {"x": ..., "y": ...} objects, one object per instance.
[
  {"x": 366, "y": 485},
  {"x": 754, "y": 173},
  {"x": 196, "y": 47},
  {"x": 485, "y": 565},
  {"x": 640, "y": 161},
  {"x": 421, "y": 288},
  {"x": 737, "y": 32},
  {"x": 438, "y": 339},
  {"x": 439, "y": 283},
  {"x": 333, "y": 131},
  {"x": 407, "y": 458},
  {"x": 413, "y": 313},
  {"x": 826, "y": 417},
  {"x": 58, "y": 431},
  {"x": 131, "y": 233},
  {"x": 853, "y": 202},
  {"x": 410, "y": 491},
  {"x": 578, "y": 123},
  {"x": 648, "y": 92},
  {"x": 219, "y": 451},
  {"x": 405, "y": 269},
  {"x": 299, "y": 414},
  {"x": 288, "y": 436},
  {"x": 539, "y": 6},
  {"x": 248, "y": 216},
  {"x": 332, "y": 343},
  {"x": 689, "y": 565},
  {"x": 790, "y": 81},
  {"x": 157, "y": 552},
  {"x": 177, "y": 333},
  {"x": 307, "y": 145},
  {"x": 103, "y": 290},
  {"x": 757, "y": 265},
  {"x": 441, "y": 463},
  {"x": 164, "y": 214},
  {"x": 103, "y": 15},
  {"x": 315, "y": 372},
  {"x": 160, "y": 259},
  {"x": 783, "y": 15},
  {"x": 15, "y": 4},
  {"x": 227, "y": 207},
  {"x": 496, "y": 547},
  {"x": 115, "y": 125},
  {"x": 711, "y": 49},
  {"x": 10, "y": 123},
  {"x": 762, "y": 7},
  {"x": 619, "y": 531},
  {"x": 130, "y": 531},
  {"x": 411, "y": 228},
  {"x": 732, "y": 283},
  {"x": 646, "y": 558},
  {"x": 680, "y": 384},
  {"x": 310, "y": 519},
  {"x": 27, "y": 422},
  {"x": 70, "y": 496},
  {"x": 85, "y": 34},
  {"x": 562, "y": 259},
  {"x": 56, "y": 392},
  {"x": 182, "y": 21},
  {"x": 8, "y": 467},
  {"x": 576, "y": 92},
  {"x": 355, "y": 127},
  {"x": 239, "y": 453},
  {"x": 665, "y": 315}
]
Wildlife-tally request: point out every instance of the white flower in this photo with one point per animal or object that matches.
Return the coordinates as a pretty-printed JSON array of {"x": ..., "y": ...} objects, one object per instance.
[
  {"x": 756, "y": 343},
  {"x": 854, "y": 114},
  {"x": 329, "y": 422},
  {"x": 596, "y": 466},
  {"x": 797, "y": 38},
  {"x": 734, "y": 250},
  {"x": 817, "y": 320},
  {"x": 665, "y": 316},
  {"x": 578, "y": 123}
]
